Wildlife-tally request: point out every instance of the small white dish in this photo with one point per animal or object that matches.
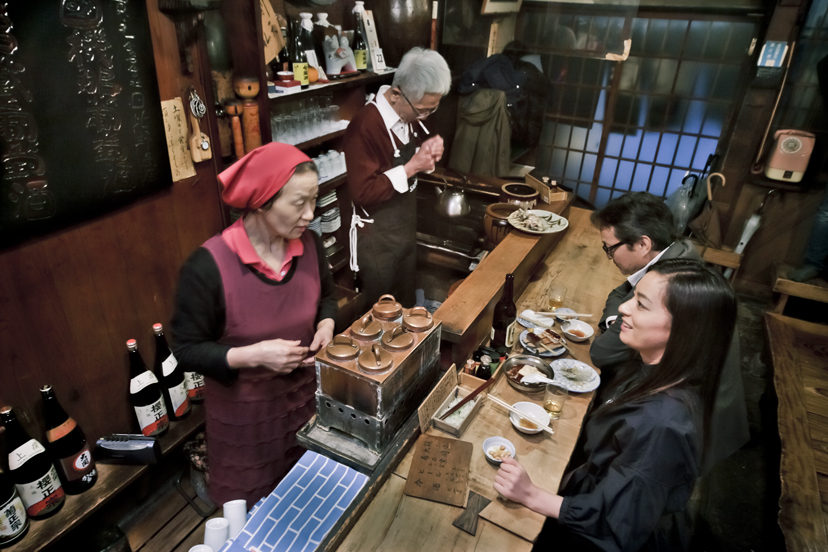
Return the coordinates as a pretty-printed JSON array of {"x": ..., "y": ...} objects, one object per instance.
[
  {"x": 578, "y": 326},
  {"x": 492, "y": 442},
  {"x": 536, "y": 411},
  {"x": 561, "y": 313}
]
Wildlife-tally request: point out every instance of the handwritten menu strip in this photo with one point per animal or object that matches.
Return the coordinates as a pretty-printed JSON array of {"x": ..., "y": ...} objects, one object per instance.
[
  {"x": 440, "y": 470},
  {"x": 175, "y": 127},
  {"x": 271, "y": 32}
]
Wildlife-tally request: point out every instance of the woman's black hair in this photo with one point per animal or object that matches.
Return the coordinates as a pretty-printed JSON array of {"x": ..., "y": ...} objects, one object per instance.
[
  {"x": 301, "y": 168},
  {"x": 703, "y": 309}
]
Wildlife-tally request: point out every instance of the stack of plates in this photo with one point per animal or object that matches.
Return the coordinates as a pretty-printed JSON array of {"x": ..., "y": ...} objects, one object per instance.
[
  {"x": 331, "y": 221},
  {"x": 327, "y": 199},
  {"x": 316, "y": 225}
]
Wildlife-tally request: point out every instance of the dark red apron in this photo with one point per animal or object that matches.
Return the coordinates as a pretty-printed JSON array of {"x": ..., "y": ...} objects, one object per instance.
[
  {"x": 387, "y": 249},
  {"x": 252, "y": 423}
]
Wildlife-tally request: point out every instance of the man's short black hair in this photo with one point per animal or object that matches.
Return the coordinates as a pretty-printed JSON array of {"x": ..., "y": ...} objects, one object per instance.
[{"x": 635, "y": 215}]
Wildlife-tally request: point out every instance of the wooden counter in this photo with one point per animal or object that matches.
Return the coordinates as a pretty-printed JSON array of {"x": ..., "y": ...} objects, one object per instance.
[
  {"x": 393, "y": 521},
  {"x": 799, "y": 353},
  {"x": 467, "y": 313}
]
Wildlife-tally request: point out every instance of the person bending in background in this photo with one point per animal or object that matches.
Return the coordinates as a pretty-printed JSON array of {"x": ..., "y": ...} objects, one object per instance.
[
  {"x": 643, "y": 446},
  {"x": 637, "y": 230},
  {"x": 253, "y": 306},
  {"x": 385, "y": 146}
]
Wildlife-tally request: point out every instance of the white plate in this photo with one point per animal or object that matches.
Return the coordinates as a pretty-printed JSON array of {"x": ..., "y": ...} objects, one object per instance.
[
  {"x": 591, "y": 380},
  {"x": 497, "y": 441},
  {"x": 540, "y": 352},
  {"x": 532, "y": 409},
  {"x": 560, "y": 223},
  {"x": 530, "y": 319}
]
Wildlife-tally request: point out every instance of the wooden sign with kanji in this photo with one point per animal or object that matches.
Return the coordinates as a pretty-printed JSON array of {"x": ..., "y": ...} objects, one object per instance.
[{"x": 440, "y": 470}]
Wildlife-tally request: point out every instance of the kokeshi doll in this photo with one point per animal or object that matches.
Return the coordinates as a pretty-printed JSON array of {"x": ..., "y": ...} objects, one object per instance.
[
  {"x": 234, "y": 110},
  {"x": 248, "y": 88}
]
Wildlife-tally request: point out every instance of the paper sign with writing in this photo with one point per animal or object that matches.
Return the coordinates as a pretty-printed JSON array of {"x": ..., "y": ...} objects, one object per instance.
[
  {"x": 175, "y": 127},
  {"x": 440, "y": 470},
  {"x": 271, "y": 32}
]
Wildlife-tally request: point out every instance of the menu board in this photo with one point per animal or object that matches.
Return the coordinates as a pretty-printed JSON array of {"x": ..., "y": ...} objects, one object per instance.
[
  {"x": 81, "y": 131},
  {"x": 440, "y": 470}
]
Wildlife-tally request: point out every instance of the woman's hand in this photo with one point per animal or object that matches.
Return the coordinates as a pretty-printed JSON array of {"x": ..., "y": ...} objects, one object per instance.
[
  {"x": 513, "y": 482},
  {"x": 324, "y": 334},
  {"x": 278, "y": 355}
]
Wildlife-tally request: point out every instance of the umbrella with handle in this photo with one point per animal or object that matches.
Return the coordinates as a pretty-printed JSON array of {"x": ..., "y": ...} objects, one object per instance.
[{"x": 751, "y": 226}]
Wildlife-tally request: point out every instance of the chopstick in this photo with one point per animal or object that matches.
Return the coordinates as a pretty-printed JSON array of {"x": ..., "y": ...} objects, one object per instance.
[
  {"x": 509, "y": 407},
  {"x": 567, "y": 314},
  {"x": 473, "y": 394}
]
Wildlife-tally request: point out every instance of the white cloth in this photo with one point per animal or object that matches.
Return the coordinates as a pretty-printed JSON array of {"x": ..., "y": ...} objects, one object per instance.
[{"x": 393, "y": 122}]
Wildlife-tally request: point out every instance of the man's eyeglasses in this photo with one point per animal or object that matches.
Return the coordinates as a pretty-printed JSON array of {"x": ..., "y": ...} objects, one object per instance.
[
  {"x": 420, "y": 113},
  {"x": 610, "y": 251}
]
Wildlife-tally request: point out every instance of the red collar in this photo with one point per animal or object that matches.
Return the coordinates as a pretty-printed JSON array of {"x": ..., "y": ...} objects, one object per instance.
[{"x": 238, "y": 241}]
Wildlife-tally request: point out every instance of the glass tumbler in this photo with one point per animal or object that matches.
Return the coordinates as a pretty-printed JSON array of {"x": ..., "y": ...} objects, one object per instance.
[{"x": 554, "y": 397}]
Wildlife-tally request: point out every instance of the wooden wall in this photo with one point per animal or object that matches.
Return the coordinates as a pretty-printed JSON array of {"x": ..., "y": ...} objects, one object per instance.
[{"x": 70, "y": 300}]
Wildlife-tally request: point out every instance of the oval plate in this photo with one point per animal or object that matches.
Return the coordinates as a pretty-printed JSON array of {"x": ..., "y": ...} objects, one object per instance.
[
  {"x": 587, "y": 378},
  {"x": 540, "y": 352},
  {"x": 552, "y": 222}
]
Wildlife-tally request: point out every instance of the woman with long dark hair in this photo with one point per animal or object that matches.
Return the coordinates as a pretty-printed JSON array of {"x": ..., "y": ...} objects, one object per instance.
[{"x": 644, "y": 446}]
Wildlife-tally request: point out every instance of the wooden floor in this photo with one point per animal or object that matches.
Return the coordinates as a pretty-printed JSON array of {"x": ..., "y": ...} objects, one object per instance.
[{"x": 799, "y": 353}]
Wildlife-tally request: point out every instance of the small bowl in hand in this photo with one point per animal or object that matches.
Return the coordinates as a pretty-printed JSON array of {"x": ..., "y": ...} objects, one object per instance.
[{"x": 577, "y": 330}]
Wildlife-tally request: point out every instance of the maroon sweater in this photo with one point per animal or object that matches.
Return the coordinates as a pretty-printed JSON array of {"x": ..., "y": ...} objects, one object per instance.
[{"x": 368, "y": 154}]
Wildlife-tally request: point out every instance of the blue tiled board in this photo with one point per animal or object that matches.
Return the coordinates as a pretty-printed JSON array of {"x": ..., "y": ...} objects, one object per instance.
[{"x": 301, "y": 510}]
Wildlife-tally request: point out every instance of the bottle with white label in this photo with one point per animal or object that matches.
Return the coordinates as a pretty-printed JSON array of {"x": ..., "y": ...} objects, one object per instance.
[
  {"x": 145, "y": 395},
  {"x": 13, "y": 520},
  {"x": 31, "y": 470},
  {"x": 173, "y": 382},
  {"x": 67, "y": 445}
]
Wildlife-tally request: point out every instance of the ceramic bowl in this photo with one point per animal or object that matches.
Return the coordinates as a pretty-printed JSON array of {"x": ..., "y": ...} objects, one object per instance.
[
  {"x": 584, "y": 330},
  {"x": 284, "y": 75},
  {"x": 492, "y": 442},
  {"x": 534, "y": 410}
]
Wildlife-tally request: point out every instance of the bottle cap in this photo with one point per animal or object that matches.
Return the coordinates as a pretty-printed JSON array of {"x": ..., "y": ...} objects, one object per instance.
[
  {"x": 46, "y": 387},
  {"x": 5, "y": 409},
  {"x": 157, "y": 328},
  {"x": 132, "y": 345}
]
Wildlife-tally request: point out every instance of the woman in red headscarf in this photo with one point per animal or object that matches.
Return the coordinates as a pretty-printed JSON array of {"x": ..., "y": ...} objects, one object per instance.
[{"x": 254, "y": 304}]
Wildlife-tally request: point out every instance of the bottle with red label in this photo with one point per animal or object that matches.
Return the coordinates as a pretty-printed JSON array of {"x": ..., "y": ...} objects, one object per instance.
[
  {"x": 31, "y": 470},
  {"x": 145, "y": 395},
  {"x": 67, "y": 445},
  {"x": 13, "y": 521},
  {"x": 173, "y": 382}
]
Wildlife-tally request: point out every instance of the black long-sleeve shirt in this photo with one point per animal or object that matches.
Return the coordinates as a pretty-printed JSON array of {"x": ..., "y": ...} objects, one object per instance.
[{"x": 198, "y": 322}]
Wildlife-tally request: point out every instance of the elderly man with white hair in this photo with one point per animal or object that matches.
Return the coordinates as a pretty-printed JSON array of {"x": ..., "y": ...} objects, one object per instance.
[{"x": 385, "y": 146}]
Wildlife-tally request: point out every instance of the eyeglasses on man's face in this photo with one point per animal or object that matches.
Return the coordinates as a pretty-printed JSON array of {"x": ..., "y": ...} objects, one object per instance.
[
  {"x": 610, "y": 250},
  {"x": 419, "y": 113}
]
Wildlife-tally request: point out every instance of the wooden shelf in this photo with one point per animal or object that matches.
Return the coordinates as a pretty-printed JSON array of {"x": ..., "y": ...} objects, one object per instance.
[
  {"x": 319, "y": 140},
  {"x": 333, "y": 184},
  {"x": 112, "y": 479},
  {"x": 348, "y": 82}
]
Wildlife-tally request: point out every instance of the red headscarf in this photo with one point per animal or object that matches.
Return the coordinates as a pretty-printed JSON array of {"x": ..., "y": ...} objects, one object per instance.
[{"x": 257, "y": 176}]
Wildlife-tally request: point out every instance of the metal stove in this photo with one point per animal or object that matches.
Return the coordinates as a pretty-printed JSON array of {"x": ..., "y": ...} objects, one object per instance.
[{"x": 370, "y": 379}]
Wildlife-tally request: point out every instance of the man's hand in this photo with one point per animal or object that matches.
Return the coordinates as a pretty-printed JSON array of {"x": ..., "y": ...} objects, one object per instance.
[{"x": 426, "y": 157}]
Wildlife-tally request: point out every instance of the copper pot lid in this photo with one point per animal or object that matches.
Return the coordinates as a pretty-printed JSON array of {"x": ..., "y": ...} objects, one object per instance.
[
  {"x": 387, "y": 308},
  {"x": 397, "y": 339},
  {"x": 418, "y": 319},
  {"x": 342, "y": 347},
  {"x": 374, "y": 360},
  {"x": 366, "y": 328}
]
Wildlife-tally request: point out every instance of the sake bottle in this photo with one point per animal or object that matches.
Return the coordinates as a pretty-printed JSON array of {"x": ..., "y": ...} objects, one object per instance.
[
  {"x": 13, "y": 521},
  {"x": 67, "y": 445},
  {"x": 173, "y": 383},
  {"x": 298, "y": 58},
  {"x": 145, "y": 395},
  {"x": 505, "y": 315},
  {"x": 360, "y": 46},
  {"x": 31, "y": 470}
]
